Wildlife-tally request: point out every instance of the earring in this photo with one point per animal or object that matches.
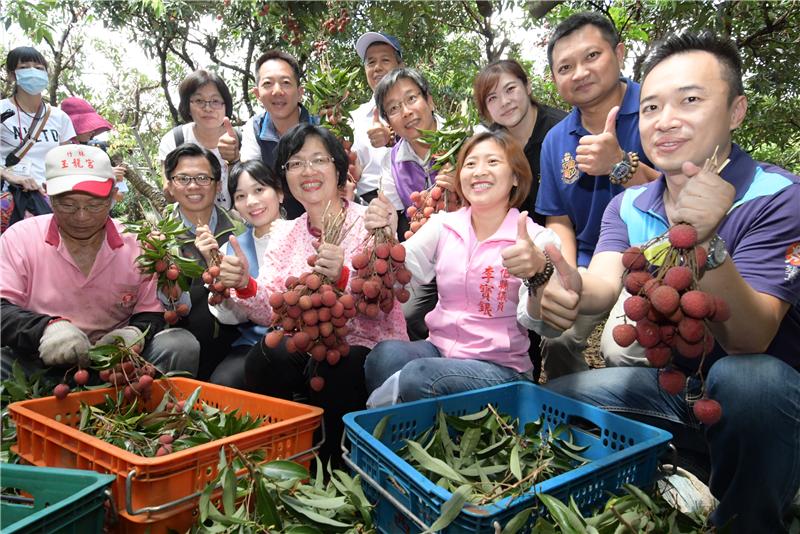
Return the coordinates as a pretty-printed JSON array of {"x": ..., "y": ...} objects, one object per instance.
[{"x": 282, "y": 212}]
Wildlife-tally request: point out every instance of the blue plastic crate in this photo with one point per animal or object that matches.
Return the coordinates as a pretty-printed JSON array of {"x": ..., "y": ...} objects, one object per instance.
[
  {"x": 65, "y": 501},
  {"x": 620, "y": 451}
]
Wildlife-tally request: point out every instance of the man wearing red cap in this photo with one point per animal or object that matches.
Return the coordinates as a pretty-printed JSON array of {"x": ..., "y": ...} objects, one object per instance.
[{"x": 70, "y": 278}]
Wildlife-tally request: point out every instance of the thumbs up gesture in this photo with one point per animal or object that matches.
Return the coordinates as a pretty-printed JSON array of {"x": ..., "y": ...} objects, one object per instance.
[
  {"x": 596, "y": 155},
  {"x": 228, "y": 144},
  {"x": 562, "y": 294},
  {"x": 523, "y": 259},
  {"x": 379, "y": 134},
  {"x": 234, "y": 271}
]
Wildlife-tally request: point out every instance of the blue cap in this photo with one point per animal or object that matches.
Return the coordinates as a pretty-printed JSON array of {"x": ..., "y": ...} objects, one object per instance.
[{"x": 370, "y": 38}]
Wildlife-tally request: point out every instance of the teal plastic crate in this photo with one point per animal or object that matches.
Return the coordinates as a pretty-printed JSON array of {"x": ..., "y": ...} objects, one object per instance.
[
  {"x": 620, "y": 451},
  {"x": 65, "y": 501}
]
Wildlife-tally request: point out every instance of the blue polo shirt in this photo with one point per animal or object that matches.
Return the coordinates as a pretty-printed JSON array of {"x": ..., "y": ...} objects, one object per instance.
[
  {"x": 761, "y": 231},
  {"x": 566, "y": 191}
]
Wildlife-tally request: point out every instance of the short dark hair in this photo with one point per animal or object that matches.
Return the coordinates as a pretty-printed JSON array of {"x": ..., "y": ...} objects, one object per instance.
[
  {"x": 720, "y": 47},
  {"x": 255, "y": 168},
  {"x": 488, "y": 77},
  {"x": 515, "y": 157},
  {"x": 388, "y": 81},
  {"x": 292, "y": 142},
  {"x": 193, "y": 82},
  {"x": 22, "y": 54},
  {"x": 576, "y": 22},
  {"x": 282, "y": 56},
  {"x": 190, "y": 150}
]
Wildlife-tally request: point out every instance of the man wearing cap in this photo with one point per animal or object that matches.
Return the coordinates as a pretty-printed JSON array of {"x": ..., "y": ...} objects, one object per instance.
[
  {"x": 88, "y": 123},
  {"x": 70, "y": 278},
  {"x": 381, "y": 54}
]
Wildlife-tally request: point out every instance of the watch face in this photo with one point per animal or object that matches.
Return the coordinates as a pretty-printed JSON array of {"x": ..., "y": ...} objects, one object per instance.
[{"x": 620, "y": 170}]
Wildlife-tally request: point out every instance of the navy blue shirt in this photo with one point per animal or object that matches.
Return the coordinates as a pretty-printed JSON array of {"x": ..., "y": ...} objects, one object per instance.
[
  {"x": 761, "y": 232},
  {"x": 564, "y": 190}
]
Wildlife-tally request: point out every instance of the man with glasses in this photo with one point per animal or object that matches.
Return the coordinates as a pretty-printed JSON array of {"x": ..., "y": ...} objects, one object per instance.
[
  {"x": 193, "y": 180},
  {"x": 70, "y": 279}
]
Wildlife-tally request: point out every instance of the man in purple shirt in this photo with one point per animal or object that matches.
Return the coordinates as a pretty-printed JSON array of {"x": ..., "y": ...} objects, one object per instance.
[{"x": 747, "y": 219}]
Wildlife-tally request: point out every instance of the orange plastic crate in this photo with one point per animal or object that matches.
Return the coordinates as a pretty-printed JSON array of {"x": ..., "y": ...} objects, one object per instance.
[{"x": 47, "y": 436}]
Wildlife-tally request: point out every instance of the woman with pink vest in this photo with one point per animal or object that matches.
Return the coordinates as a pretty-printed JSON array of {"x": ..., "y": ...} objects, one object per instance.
[{"x": 490, "y": 264}]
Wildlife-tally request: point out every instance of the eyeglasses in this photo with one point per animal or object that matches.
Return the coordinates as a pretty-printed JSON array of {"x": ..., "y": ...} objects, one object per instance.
[
  {"x": 184, "y": 179},
  {"x": 408, "y": 101},
  {"x": 214, "y": 103},
  {"x": 297, "y": 165},
  {"x": 73, "y": 208}
]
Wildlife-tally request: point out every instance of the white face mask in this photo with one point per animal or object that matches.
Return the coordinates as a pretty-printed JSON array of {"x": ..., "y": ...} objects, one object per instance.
[{"x": 32, "y": 81}]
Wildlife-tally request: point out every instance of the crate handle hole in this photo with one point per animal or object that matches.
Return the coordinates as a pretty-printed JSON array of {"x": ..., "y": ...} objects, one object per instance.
[{"x": 584, "y": 425}]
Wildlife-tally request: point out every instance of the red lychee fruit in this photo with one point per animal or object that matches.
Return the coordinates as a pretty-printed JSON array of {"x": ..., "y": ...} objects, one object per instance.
[
  {"x": 688, "y": 350},
  {"x": 317, "y": 383},
  {"x": 650, "y": 286},
  {"x": 61, "y": 391},
  {"x": 695, "y": 304},
  {"x": 672, "y": 381},
  {"x": 707, "y": 411},
  {"x": 682, "y": 236},
  {"x": 678, "y": 277},
  {"x": 665, "y": 300},
  {"x": 165, "y": 439},
  {"x": 398, "y": 253},
  {"x": 624, "y": 335},
  {"x": 633, "y": 259},
  {"x": 692, "y": 330},
  {"x": 635, "y": 280},
  {"x": 81, "y": 377},
  {"x": 273, "y": 339},
  {"x": 658, "y": 356},
  {"x": 636, "y": 307},
  {"x": 647, "y": 333}
]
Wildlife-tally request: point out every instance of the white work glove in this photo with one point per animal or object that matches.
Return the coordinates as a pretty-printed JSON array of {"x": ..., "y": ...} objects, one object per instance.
[
  {"x": 129, "y": 334},
  {"x": 64, "y": 343}
]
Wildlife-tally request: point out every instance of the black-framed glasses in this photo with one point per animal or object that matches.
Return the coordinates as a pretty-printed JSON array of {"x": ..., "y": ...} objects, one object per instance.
[
  {"x": 214, "y": 103},
  {"x": 69, "y": 208},
  {"x": 295, "y": 166},
  {"x": 184, "y": 179}
]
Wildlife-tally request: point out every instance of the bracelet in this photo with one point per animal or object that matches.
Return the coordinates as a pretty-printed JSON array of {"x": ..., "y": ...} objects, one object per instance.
[
  {"x": 344, "y": 277},
  {"x": 539, "y": 279},
  {"x": 249, "y": 291}
]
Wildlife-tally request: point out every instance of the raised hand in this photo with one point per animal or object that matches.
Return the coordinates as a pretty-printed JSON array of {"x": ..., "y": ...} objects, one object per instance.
[
  {"x": 379, "y": 134},
  {"x": 234, "y": 271},
  {"x": 330, "y": 259},
  {"x": 704, "y": 201},
  {"x": 597, "y": 154},
  {"x": 562, "y": 294},
  {"x": 228, "y": 144},
  {"x": 380, "y": 214},
  {"x": 523, "y": 259},
  {"x": 205, "y": 242},
  {"x": 446, "y": 178}
]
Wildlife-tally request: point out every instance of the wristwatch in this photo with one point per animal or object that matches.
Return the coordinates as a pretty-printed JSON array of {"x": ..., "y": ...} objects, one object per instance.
[
  {"x": 717, "y": 252},
  {"x": 623, "y": 171},
  {"x": 539, "y": 279}
]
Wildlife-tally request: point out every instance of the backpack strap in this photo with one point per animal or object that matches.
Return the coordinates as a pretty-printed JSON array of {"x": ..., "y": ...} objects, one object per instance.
[{"x": 177, "y": 134}]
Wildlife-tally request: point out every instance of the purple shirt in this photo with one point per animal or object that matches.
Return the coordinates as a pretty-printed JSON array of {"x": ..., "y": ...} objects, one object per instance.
[{"x": 761, "y": 231}]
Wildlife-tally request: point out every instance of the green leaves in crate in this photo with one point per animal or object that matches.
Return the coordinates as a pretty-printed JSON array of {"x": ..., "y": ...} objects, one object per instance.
[{"x": 281, "y": 497}]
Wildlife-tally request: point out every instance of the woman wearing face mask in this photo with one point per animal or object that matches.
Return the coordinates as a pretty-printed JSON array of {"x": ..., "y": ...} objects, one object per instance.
[
  {"x": 205, "y": 107},
  {"x": 26, "y": 112}
]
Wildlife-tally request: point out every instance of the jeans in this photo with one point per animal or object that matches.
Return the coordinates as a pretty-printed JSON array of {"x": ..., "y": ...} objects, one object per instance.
[
  {"x": 754, "y": 450},
  {"x": 425, "y": 373},
  {"x": 423, "y": 300},
  {"x": 173, "y": 349}
]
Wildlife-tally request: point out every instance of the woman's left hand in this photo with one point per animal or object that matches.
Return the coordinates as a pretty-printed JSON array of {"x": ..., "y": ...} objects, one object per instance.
[
  {"x": 446, "y": 178},
  {"x": 330, "y": 259},
  {"x": 523, "y": 259}
]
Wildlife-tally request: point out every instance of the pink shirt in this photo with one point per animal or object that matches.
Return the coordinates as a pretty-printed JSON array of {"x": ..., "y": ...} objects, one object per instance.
[
  {"x": 289, "y": 247},
  {"x": 39, "y": 274}
]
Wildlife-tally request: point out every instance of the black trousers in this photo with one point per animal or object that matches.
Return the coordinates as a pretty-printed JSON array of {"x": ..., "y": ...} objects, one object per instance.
[{"x": 282, "y": 374}]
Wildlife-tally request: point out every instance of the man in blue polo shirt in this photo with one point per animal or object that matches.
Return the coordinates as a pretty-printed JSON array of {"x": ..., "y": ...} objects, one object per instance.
[
  {"x": 747, "y": 220},
  {"x": 600, "y": 137}
]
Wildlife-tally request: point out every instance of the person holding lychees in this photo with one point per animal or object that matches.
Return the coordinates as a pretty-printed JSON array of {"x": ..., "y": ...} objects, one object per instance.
[
  {"x": 490, "y": 263},
  {"x": 708, "y": 253}
]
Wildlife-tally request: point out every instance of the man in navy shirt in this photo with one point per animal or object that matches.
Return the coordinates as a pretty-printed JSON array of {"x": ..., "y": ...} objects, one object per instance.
[
  {"x": 600, "y": 137},
  {"x": 691, "y": 100}
]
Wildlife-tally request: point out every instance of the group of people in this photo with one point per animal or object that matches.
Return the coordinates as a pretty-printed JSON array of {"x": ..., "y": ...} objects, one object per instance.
[{"x": 531, "y": 261}]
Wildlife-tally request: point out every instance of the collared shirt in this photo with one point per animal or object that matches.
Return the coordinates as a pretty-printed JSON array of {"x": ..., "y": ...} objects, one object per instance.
[
  {"x": 40, "y": 275},
  {"x": 566, "y": 191},
  {"x": 369, "y": 157},
  {"x": 761, "y": 231}
]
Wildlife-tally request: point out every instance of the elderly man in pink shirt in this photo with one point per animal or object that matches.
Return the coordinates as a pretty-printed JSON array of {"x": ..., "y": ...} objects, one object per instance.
[{"x": 70, "y": 279}]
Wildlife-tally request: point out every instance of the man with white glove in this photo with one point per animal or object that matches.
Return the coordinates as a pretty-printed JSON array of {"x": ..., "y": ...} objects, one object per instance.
[{"x": 70, "y": 278}]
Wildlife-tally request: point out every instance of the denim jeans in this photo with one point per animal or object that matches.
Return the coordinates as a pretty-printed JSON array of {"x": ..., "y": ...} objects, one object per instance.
[
  {"x": 754, "y": 450},
  {"x": 424, "y": 373}
]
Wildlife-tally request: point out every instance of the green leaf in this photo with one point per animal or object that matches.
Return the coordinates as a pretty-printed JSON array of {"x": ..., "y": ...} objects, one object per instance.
[
  {"x": 303, "y": 510},
  {"x": 229, "y": 492},
  {"x": 429, "y": 463},
  {"x": 469, "y": 441},
  {"x": 566, "y": 518},
  {"x": 517, "y": 522},
  {"x": 266, "y": 511},
  {"x": 451, "y": 508},
  {"x": 377, "y": 432},
  {"x": 514, "y": 463},
  {"x": 190, "y": 402},
  {"x": 284, "y": 470}
]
